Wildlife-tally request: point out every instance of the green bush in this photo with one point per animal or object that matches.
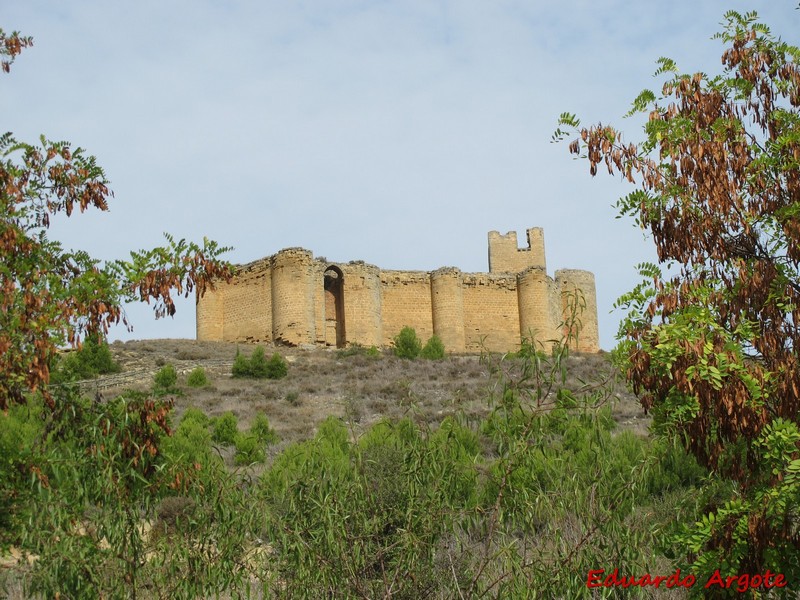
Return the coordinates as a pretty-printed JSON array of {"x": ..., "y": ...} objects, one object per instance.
[
  {"x": 326, "y": 456},
  {"x": 226, "y": 429},
  {"x": 197, "y": 378},
  {"x": 195, "y": 414},
  {"x": 241, "y": 366},
  {"x": 434, "y": 349},
  {"x": 165, "y": 381},
  {"x": 249, "y": 450},
  {"x": 92, "y": 359},
  {"x": 277, "y": 367},
  {"x": 379, "y": 508},
  {"x": 258, "y": 367},
  {"x": 407, "y": 344},
  {"x": 675, "y": 469},
  {"x": 250, "y": 446},
  {"x": 20, "y": 426},
  {"x": 191, "y": 442},
  {"x": 261, "y": 430}
]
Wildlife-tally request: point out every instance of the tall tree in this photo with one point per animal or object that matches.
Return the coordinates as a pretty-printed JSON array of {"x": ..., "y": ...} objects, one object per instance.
[
  {"x": 711, "y": 343},
  {"x": 84, "y": 457},
  {"x": 50, "y": 296}
]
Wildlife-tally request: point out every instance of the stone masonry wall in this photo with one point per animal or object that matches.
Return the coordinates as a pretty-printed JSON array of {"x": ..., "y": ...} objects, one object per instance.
[
  {"x": 506, "y": 257},
  {"x": 293, "y": 298},
  {"x": 363, "y": 304},
  {"x": 578, "y": 287},
  {"x": 406, "y": 301},
  {"x": 247, "y": 305},
  {"x": 209, "y": 319},
  {"x": 491, "y": 312},
  {"x": 293, "y": 305},
  {"x": 447, "y": 307}
]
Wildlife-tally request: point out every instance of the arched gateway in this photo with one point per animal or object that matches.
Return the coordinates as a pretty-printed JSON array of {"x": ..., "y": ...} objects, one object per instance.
[{"x": 333, "y": 282}]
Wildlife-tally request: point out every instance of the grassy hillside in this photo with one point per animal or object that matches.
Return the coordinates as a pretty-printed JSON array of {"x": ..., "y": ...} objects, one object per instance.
[
  {"x": 349, "y": 384},
  {"x": 358, "y": 472}
]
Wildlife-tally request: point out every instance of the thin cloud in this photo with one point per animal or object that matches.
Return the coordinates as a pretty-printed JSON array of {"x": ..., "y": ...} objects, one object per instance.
[{"x": 393, "y": 132}]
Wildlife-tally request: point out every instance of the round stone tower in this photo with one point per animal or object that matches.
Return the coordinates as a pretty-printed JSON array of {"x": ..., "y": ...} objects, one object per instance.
[
  {"x": 536, "y": 321},
  {"x": 362, "y": 284},
  {"x": 293, "y": 297},
  {"x": 447, "y": 302},
  {"x": 578, "y": 296}
]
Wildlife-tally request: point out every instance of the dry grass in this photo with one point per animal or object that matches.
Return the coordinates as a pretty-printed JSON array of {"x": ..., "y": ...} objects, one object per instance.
[{"x": 357, "y": 388}]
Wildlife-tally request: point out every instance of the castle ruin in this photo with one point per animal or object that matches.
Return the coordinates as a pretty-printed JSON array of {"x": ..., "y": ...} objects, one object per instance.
[{"x": 292, "y": 298}]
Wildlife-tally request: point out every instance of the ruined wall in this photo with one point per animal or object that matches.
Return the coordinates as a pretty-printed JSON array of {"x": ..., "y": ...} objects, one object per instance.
[
  {"x": 293, "y": 298},
  {"x": 491, "y": 312},
  {"x": 406, "y": 301},
  {"x": 209, "y": 325},
  {"x": 292, "y": 291},
  {"x": 506, "y": 257},
  {"x": 247, "y": 314},
  {"x": 240, "y": 310}
]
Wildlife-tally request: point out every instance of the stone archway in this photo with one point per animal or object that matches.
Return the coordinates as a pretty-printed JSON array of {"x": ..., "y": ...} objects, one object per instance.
[{"x": 333, "y": 282}]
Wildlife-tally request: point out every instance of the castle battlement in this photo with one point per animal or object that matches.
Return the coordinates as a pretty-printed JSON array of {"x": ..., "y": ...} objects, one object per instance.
[{"x": 293, "y": 298}]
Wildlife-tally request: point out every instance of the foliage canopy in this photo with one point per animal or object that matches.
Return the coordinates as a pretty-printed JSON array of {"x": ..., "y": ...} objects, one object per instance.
[
  {"x": 49, "y": 296},
  {"x": 712, "y": 343},
  {"x": 76, "y": 483}
]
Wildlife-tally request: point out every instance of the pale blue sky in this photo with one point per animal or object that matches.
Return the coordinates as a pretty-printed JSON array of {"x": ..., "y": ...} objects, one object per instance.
[{"x": 398, "y": 133}]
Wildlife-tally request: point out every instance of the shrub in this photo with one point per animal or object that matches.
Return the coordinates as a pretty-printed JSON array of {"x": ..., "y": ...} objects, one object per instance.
[
  {"x": 258, "y": 366},
  {"x": 249, "y": 450},
  {"x": 241, "y": 366},
  {"x": 323, "y": 459},
  {"x": 675, "y": 468},
  {"x": 407, "y": 344},
  {"x": 434, "y": 349},
  {"x": 172, "y": 512},
  {"x": 20, "y": 426},
  {"x": 226, "y": 428},
  {"x": 378, "y": 508},
  {"x": 197, "y": 378},
  {"x": 92, "y": 359},
  {"x": 191, "y": 442},
  {"x": 357, "y": 349},
  {"x": 277, "y": 367},
  {"x": 195, "y": 414},
  {"x": 165, "y": 381},
  {"x": 261, "y": 430}
]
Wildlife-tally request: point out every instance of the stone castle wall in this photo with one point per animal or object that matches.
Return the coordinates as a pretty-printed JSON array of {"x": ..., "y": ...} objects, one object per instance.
[{"x": 293, "y": 298}]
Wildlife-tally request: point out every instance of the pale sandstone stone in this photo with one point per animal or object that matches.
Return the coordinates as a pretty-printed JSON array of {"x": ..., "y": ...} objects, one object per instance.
[{"x": 292, "y": 298}]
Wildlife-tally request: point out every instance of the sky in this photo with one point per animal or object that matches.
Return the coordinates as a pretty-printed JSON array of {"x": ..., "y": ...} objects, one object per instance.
[{"x": 394, "y": 132}]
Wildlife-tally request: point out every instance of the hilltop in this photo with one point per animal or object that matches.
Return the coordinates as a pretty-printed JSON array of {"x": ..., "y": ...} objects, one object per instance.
[{"x": 348, "y": 384}]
